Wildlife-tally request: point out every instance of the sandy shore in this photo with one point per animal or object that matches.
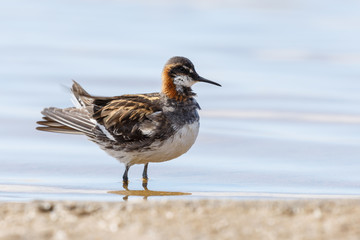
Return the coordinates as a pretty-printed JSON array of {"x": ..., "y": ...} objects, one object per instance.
[{"x": 185, "y": 219}]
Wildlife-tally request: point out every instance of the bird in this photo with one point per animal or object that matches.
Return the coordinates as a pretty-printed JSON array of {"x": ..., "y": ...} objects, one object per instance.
[{"x": 136, "y": 128}]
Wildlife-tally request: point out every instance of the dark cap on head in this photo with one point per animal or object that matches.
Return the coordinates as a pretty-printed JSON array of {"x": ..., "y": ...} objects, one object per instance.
[{"x": 180, "y": 60}]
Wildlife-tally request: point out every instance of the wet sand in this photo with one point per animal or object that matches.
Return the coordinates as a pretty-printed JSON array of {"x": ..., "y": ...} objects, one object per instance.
[{"x": 182, "y": 219}]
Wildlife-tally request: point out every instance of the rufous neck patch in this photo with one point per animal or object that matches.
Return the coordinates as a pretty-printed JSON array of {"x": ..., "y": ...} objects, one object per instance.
[{"x": 168, "y": 86}]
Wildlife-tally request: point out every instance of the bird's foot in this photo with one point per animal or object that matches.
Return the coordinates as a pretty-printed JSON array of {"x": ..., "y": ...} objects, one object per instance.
[
  {"x": 125, "y": 185},
  {"x": 145, "y": 183}
]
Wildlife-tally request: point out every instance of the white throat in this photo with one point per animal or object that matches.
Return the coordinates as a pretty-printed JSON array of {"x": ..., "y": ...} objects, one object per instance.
[{"x": 182, "y": 81}]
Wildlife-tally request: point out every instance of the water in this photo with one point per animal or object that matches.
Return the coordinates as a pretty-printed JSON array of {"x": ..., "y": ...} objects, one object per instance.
[{"x": 285, "y": 123}]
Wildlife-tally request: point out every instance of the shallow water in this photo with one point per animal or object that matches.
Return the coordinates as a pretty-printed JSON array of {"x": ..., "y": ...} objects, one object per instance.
[{"x": 286, "y": 122}]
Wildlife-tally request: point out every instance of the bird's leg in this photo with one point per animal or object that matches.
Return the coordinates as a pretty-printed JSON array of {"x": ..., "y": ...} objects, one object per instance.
[
  {"x": 125, "y": 178},
  {"x": 145, "y": 177}
]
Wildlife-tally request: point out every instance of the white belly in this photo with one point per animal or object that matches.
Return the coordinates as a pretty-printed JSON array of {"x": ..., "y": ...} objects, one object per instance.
[{"x": 172, "y": 148}]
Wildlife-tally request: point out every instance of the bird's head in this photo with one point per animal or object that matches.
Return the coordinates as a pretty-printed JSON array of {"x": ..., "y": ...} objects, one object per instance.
[{"x": 178, "y": 76}]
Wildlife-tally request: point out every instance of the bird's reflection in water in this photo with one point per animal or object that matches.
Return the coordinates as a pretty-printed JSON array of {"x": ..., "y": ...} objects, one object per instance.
[{"x": 145, "y": 193}]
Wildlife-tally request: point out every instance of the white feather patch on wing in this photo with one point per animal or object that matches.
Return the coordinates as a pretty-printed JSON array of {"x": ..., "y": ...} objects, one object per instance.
[
  {"x": 148, "y": 127},
  {"x": 106, "y": 132},
  {"x": 75, "y": 101}
]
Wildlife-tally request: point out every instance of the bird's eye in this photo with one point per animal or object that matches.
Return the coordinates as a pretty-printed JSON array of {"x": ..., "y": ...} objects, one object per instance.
[{"x": 182, "y": 69}]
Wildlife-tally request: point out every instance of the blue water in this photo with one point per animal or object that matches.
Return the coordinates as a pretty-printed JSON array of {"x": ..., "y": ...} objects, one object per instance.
[{"x": 287, "y": 119}]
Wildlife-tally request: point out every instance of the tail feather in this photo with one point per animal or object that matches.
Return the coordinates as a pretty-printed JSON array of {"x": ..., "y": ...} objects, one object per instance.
[
  {"x": 68, "y": 120},
  {"x": 59, "y": 130},
  {"x": 81, "y": 96},
  {"x": 75, "y": 120},
  {"x": 50, "y": 123}
]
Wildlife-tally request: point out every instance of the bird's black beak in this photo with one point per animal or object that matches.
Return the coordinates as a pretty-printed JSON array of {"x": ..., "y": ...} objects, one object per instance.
[{"x": 201, "y": 79}]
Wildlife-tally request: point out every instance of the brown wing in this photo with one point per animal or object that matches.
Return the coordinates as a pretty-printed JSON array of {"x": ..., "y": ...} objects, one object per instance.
[
  {"x": 127, "y": 118},
  {"x": 130, "y": 118}
]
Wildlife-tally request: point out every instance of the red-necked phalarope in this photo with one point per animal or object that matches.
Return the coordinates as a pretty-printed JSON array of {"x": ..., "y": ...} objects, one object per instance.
[{"x": 136, "y": 128}]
